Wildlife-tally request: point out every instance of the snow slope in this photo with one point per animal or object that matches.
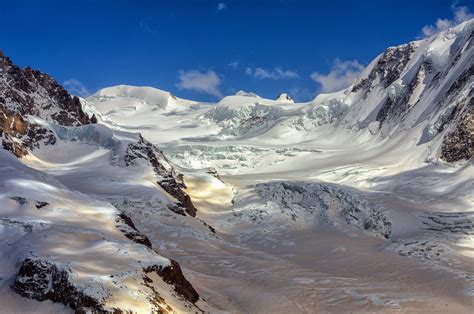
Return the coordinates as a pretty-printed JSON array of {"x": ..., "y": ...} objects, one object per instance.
[
  {"x": 358, "y": 200},
  {"x": 64, "y": 237},
  {"x": 47, "y": 227}
]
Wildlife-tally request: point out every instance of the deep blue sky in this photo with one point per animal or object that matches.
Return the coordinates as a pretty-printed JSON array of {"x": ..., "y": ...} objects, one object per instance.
[{"x": 104, "y": 43}]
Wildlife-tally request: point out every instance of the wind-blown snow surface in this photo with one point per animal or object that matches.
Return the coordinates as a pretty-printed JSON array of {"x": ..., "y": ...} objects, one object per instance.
[
  {"x": 342, "y": 203},
  {"x": 65, "y": 223}
]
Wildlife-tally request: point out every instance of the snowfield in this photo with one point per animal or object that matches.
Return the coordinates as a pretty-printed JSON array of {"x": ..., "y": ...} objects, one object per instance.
[
  {"x": 360, "y": 200},
  {"x": 342, "y": 203}
]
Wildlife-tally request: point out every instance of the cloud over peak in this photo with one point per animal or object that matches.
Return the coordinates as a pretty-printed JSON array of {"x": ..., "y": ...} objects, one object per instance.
[
  {"x": 276, "y": 74},
  {"x": 460, "y": 14},
  {"x": 341, "y": 75},
  {"x": 202, "y": 82}
]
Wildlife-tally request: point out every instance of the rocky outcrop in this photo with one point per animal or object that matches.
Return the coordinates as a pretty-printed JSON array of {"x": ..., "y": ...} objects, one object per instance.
[
  {"x": 30, "y": 92},
  {"x": 27, "y": 92},
  {"x": 397, "y": 103},
  {"x": 126, "y": 225},
  {"x": 42, "y": 280},
  {"x": 40, "y": 204},
  {"x": 459, "y": 143},
  {"x": 284, "y": 97},
  {"x": 18, "y": 135},
  {"x": 426, "y": 82},
  {"x": 28, "y": 99},
  {"x": 213, "y": 172},
  {"x": 173, "y": 275},
  {"x": 388, "y": 68},
  {"x": 171, "y": 181},
  {"x": 23, "y": 201}
]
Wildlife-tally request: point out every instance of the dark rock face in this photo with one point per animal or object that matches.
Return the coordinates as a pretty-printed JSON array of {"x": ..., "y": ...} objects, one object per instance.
[
  {"x": 444, "y": 89},
  {"x": 41, "y": 280},
  {"x": 40, "y": 204},
  {"x": 20, "y": 86},
  {"x": 158, "y": 303},
  {"x": 18, "y": 135},
  {"x": 461, "y": 80},
  {"x": 388, "y": 68},
  {"x": 213, "y": 172},
  {"x": 254, "y": 121},
  {"x": 20, "y": 200},
  {"x": 174, "y": 276},
  {"x": 132, "y": 232},
  {"x": 459, "y": 144},
  {"x": 167, "y": 178},
  {"x": 398, "y": 106},
  {"x": 24, "y": 91}
]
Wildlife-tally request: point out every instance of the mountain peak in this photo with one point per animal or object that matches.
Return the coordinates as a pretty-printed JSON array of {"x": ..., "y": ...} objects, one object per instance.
[
  {"x": 246, "y": 94},
  {"x": 284, "y": 97}
]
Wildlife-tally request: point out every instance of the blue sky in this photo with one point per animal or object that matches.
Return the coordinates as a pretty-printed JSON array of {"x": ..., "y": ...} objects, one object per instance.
[{"x": 205, "y": 49}]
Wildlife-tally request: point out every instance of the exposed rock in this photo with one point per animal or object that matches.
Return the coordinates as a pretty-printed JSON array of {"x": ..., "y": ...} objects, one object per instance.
[
  {"x": 19, "y": 135},
  {"x": 39, "y": 204},
  {"x": 25, "y": 95},
  {"x": 42, "y": 280},
  {"x": 283, "y": 97},
  {"x": 156, "y": 300},
  {"x": 20, "y": 86},
  {"x": 388, "y": 68},
  {"x": 174, "y": 276},
  {"x": 128, "y": 228},
  {"x": 167, "y": 177},
  {"x": 461, "y": 81},
  {"x": 20, "y": 200},
  {"x": 24, "y": 91},
  {"x": 93, "y": 119},
  {"x": 397, "y": 105},
  {"x": 213, "y": 172},
  {"x": 459, "y": 144}
]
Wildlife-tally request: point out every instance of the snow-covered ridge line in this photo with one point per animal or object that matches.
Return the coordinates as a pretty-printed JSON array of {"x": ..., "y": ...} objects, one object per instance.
[
  {"x": 420, "y": 90},
  {"x": 49, "y": 233},
  {"x": 66, "y": 245}
]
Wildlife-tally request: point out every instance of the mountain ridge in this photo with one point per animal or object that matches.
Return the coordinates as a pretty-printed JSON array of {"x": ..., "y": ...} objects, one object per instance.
[{"x": 264, "y": 203}]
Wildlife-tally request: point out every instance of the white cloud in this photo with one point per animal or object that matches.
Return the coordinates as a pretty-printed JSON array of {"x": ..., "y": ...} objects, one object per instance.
[
  {"x": 234, "y": 64},
  {"x": 75, "y": 87},
  {"x": 275, "y": 74},
  {"x": 203, "y": 82},
  {"x": 342, "y": 74},
  {"x": 460, "y": 14},
  {"x": 221, "y": 6}
]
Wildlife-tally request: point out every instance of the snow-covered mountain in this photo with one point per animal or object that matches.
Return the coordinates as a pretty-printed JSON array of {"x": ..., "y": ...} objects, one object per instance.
[
  {"x": 358, "y": 200},
  {"x": 66, "y": 234},
  {"x": 424, "y": 85},
  {"x": 419, "y": 93},
  {"x": 390, "y": 157},
  {"x": 284, "y": 97}
]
